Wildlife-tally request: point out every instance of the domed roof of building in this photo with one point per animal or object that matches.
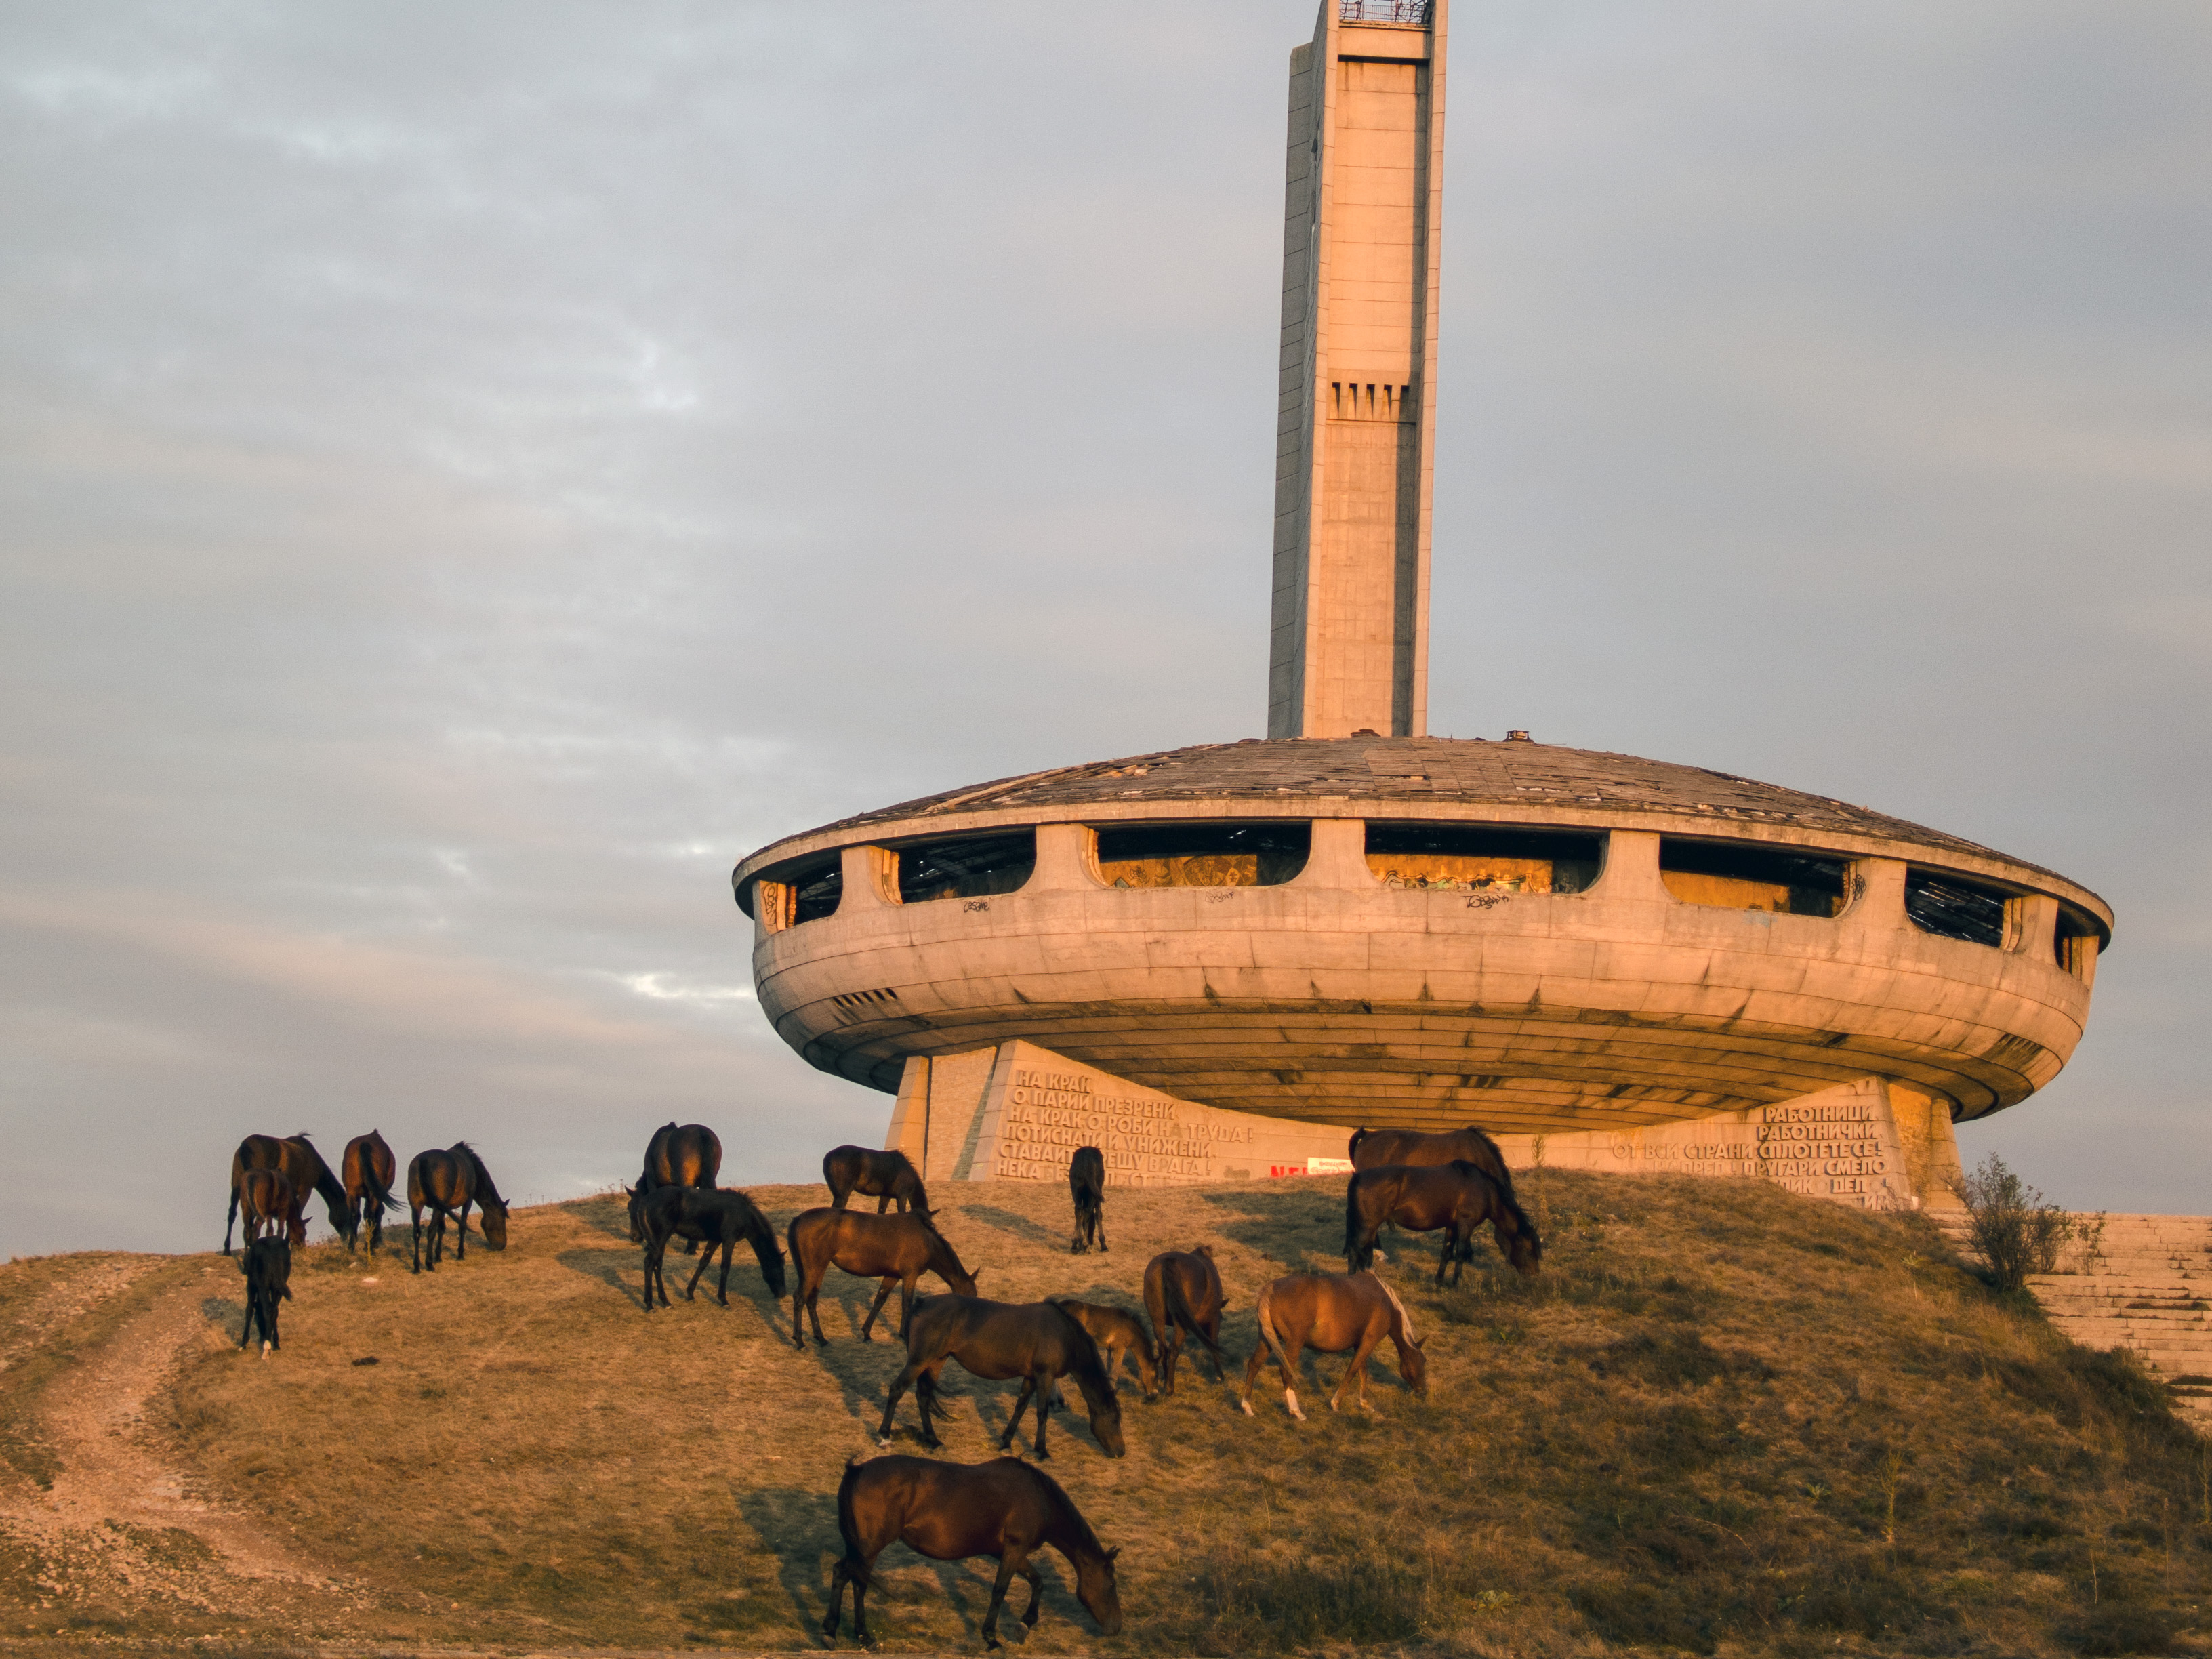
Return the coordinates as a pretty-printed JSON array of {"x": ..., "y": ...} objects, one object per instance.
[{"x": 1513, "y": 772}]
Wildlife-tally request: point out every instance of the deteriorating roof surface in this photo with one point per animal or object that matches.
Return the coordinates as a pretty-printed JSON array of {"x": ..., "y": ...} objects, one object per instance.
[{"x": 1472, "y": 769}]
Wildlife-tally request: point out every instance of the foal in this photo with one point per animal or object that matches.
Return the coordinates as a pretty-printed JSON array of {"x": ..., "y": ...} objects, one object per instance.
[
  {"x": 447, "y": 1183},
  {"x": 266, "y": 1197},
  {"x": 1182, "y": 1292},
  {"x": 1087, "y": 1184},
  {"x": 1116, "y": 1331},
  {"x": 267, "y": 1265},
  {"x": 296, "y": 1159},
  {"x": 682, "y": 1155},
  {"x": 952, "y": 1511},
  {"x": 1330, "y": 1313},
  {"x": 887, "y": 1177},
  {"x": 897, "y": 1249},
  {"x": 711, "y": 1218}
]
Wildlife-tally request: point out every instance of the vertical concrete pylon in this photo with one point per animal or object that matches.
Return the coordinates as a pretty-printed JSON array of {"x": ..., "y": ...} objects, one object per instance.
[{"x": 1355, "y": 441}]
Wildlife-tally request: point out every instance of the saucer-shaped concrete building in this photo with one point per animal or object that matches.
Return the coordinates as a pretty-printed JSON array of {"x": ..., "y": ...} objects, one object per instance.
[{"x": 1335, "y": 927}]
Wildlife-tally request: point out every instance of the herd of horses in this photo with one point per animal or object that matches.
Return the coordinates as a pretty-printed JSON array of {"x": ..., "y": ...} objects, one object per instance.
[{"x": 1455, "y": 1184}]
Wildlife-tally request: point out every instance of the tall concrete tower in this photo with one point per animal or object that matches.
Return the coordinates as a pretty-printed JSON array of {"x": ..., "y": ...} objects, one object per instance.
[{"x": 1355, "y": 444}]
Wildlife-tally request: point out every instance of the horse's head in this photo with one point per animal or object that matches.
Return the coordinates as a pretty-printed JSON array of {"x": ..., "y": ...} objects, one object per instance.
[
  {"x": 1413, "y": 1366},
  {"x": 771, "y": 1265},
  {"x": 1100, "y": 1596},
  {"x": 494, "y": 1223},
  {"x": 1105, "y": 1416},
  {"x": 1516, "y": 1237},
  {"x": 636, "y": 1197}
]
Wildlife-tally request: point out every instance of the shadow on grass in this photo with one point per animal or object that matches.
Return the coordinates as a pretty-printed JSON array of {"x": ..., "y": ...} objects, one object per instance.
[
  {"x": 1005, "y": 1221},
  {"x": 609, "y": 1267},
  {"x": 1304, "y": 1231}
]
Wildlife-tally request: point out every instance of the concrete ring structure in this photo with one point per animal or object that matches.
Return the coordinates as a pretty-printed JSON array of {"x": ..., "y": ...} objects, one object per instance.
[{"x": 1418, "y": 931}]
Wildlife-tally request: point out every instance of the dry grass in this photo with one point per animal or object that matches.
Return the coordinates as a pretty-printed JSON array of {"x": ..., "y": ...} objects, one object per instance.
[{"x": 1723, "y": 1419}]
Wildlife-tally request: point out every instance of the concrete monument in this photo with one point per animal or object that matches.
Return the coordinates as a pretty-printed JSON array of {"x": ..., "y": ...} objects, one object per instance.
[{"x": 1215, "y": 961}]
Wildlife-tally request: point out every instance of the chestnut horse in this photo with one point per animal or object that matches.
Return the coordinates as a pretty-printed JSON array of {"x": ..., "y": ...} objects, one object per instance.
[
  {"x": 1455, "y": 1198},
  {"x": 268, "y": 1201},
  {"x": 1371, "y": 1149},
  {"x": 897, "y": 1249},
  {"x": 952, "y": 1511},
  {"x": 1182, "y": 1292},
  {"x": 267, "y": 1265},
  {"x": 303, "y": 1165},
  {"x": 446, "y": 1183},
  {"x": 1037, "y": 1341},
  {"x": 1116, "y": 1331},
  {"x": 687, "y": 1155},
  {"x": 367, "y": 1171},
  {"x": 713, "y": 1218},
  {"x": 887, "y": 1177},
  {"x": 1086, "y": 1185},
  {"x": 1330, "y": 1313}
]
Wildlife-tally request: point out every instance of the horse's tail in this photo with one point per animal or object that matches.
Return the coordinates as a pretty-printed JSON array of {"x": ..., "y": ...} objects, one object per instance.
[
  {"x": 1352, "y": 1148},
  {"x": 855, "y": 1564},
  {"x": 371, "y": 1181},
  {"x": 1358, "y": 1254},
  {"x": 1267, "y": 1327},
  {"x": 1405, "y": 1319},
  {"x": 1179, "y": 1312}
]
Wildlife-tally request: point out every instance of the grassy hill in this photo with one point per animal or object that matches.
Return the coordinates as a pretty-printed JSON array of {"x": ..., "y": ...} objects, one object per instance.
[{"x": 1723, "y": 1419}]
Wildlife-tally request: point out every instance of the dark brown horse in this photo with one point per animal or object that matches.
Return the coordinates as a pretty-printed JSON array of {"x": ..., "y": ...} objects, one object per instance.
[
  {"x": 367, "y": 1171},
  {"x": 1455, "y": 1198},
  {"x": 682, "y": 1155},
  {"x": 447, "y": 1183},
  {"x": 1372, "y": 1149},
  {"x": 1116, "y": 1331},
  {"x": 887, "y": 1177},
  {"x": 999, "y": 1341},
  {"x": 303, "y": 1165},
  {"x": 1331, "y": 1313},
  {"x": 713, "y": 1218},
  {"x": 267, "y": 1265},
  {"x": 268, "y": 1201},
  {"x": 895, "y": 1249},
  {"x": 1086, "y": 1185},
  {"x": 1182, "y": 1292},
  {"x": 952, "y": 1511}
]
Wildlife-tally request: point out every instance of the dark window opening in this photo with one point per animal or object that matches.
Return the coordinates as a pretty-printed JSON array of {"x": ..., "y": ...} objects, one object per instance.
[
  {"x": 1456, "y": 857},
  {"x": 1204, "y": 855},
  {"x": 1740, "y": 876},
  {"x": 815, "y": 893},
  {"x": 1955, "y": 907},
  {"x": 970, "y": 868}
]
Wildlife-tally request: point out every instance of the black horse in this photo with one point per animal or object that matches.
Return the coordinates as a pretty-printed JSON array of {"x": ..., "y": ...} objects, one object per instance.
[
  {"x": 1087, "y": 1184},
  {"x": 1455, "y": 1198},
  {"x": 887, "y": 1177},
  {"x": 711, "y": 1218},
  {"x": 999, "y": 1341},
  {"x": 267, "y": 1265},
  {"x": 447, "y": 1183}
]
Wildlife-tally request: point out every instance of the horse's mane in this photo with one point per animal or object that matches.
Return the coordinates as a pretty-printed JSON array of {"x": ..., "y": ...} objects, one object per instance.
[
  {"x": 1405, "y": 1319},
  {"x": 483, "y": 1176},
  {"x": 1482, "y": 1138}
]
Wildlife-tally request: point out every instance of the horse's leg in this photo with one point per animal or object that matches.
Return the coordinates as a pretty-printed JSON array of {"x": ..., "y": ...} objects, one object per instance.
[
  {"x": 722, "y": 1287},
  {"x": 1014, "y": 1419},
  {"x": 651, "y": 1272},
  {"x": 1287, "y": 1362},
  {"x": 1036, "y": 1591},
  {"x": 1099, "y": 1220},
  {"x": 861, "y": 1583},
  {"x": 883, "y": 1295},
  {"x": 1252, "y": 1373},
  {"x": 900, "y": 1384},
  {"x": 1356, "y": 1368},
  {"x": 461, "y": 1223},
  {"x": 1213, "y": 1350},
  {"x": 415, "y": 1244},
  {"x": 838, "y": 1574},
  {"x": 998, "y": 1599},
  {"x": 810, "y": 1286},
  {"x": 1043, "y": 1378},
  {"x": 880, "y": 1202},
  {"x": 706, "y": 1256},
  {"x": 230, "y": 1219}
]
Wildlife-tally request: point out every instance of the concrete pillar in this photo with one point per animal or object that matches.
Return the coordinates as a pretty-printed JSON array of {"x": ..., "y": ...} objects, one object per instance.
[
  {"x": 2032, "y": 926},
  {"x": 1066, "y": 859},
  {"x": 871, "y": 881},
  {"x": 1338, "y": 857},
  {"x": 1874, "y": 896},
  {"x": 1632, "y": 869}
]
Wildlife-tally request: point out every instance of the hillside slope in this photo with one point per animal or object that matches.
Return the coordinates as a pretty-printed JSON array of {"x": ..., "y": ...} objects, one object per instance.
[{"x": 1722, "y": 1416}]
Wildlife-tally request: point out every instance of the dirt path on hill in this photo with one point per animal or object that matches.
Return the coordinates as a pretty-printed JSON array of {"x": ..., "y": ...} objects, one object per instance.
[{"x": 122, "y": 1531}]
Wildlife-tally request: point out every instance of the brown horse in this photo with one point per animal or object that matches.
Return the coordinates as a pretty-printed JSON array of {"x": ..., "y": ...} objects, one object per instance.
[
  {"x": 1116, "y": 1331},
  {"x": 446, "y": 1183},
  {"x": 1455, "y": 1198},
  {"x": 686, "y": 1155},
  {"x": 952, "y": 1511},
  {"x": 711, "y": 1218},
  {"x": 1330, "y": 1313},
  {"x": 268, "y": 1201},
  {"x": 999, "y": 1341},
  {"x": 1086, "y": 1185},
  {"x": 267, "y": 1265},
  {"x": 1182, "y": 1292},
  {"x": 887, "y": 1177},
  {"x": 367, "y": 1171},
  {"x": 895, "y": 1249},
  {"x": 1371, "y": 1149},
  {"x": 303, "y": 1165}
]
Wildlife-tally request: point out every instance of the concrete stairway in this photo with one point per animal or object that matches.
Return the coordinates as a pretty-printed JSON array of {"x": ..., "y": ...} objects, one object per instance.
[{"x": 2147, "y": 1286}]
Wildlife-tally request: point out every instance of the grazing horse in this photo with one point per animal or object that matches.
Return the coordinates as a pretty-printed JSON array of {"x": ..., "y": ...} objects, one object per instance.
[
  {"x": 887, "y": 1177},
  {"x": 1087, "y": 1184},
  {"x": 267, "y": 1265},
  {"x": 1456, "y": 1198},
  {"x": 998, "y": 1342},
  {"x": 686, "y": 1155},
  {"x": 952, "y": 1511},
  {"x": 1371, "y": 1149},
  {"x": 446, "y": 1183},
  {"x": 711, "y": 1218},
  {"x": 367, "y": 1171},
  {"x": 1182, "y": 1292},
  {"x": 303, "y": 1165},
  {"x": 1116, "y": 1330},
  {"x": 269, "y": 1201},
  {"x": 895, "y": 1249},
  {"x": 1330, "y": 1313}
]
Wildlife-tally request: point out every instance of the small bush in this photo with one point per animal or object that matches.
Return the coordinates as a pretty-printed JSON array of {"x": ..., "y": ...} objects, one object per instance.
[{"x": 2012, "y": 1229}]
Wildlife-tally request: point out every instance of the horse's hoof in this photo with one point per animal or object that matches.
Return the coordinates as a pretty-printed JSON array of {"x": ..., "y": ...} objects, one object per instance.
[
  {"x": 882, "y": 1440},
  {"x": 1247, "y": 1405}
]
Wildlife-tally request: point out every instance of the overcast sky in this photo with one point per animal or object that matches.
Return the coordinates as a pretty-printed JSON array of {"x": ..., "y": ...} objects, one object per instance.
[{"x": 468, "y": 474}]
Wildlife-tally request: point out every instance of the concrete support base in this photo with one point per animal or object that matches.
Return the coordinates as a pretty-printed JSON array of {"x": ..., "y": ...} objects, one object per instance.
[{"x": 1016, "y": 1112}]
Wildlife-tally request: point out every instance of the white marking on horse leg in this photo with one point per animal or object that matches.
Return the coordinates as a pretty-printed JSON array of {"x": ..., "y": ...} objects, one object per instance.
[
  {"x": 1247, "y": 1405},
  {"x": 1291, "y": 1399}
]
